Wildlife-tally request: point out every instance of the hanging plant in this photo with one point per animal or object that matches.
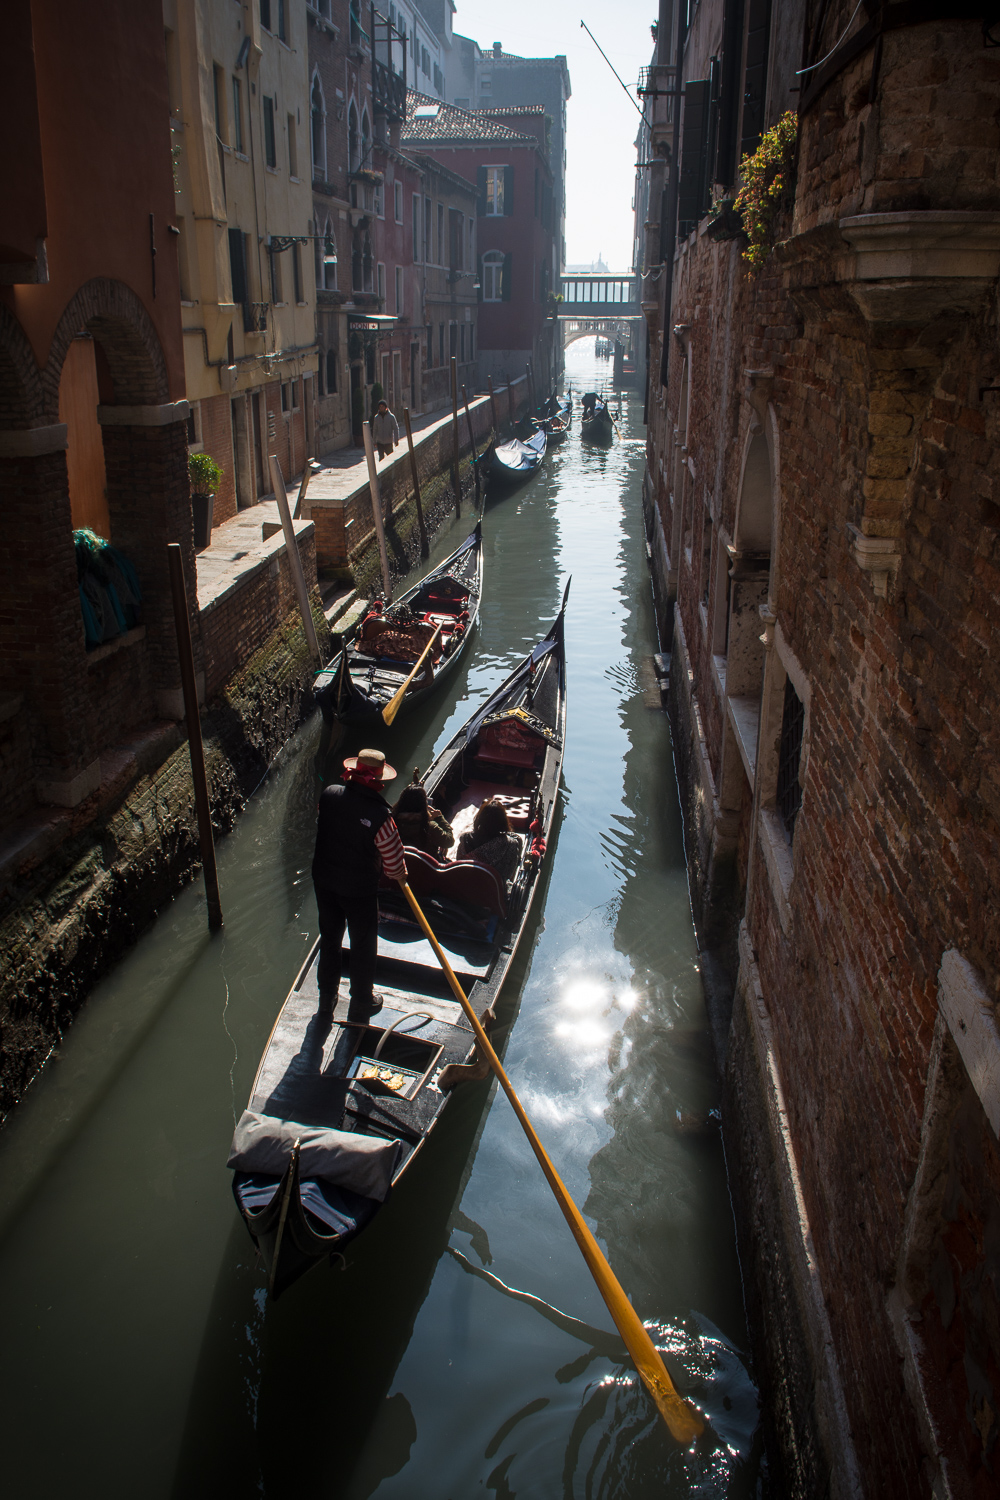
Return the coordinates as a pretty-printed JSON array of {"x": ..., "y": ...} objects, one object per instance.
[{"x": 768, "y": 177}]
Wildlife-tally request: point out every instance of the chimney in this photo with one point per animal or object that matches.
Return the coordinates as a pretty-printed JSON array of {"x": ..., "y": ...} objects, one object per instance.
[{"x": 497, "y": 49}]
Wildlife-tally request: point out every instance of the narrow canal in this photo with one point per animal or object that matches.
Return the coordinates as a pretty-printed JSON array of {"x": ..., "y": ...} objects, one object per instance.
[{"x": 140, "y": 1357}]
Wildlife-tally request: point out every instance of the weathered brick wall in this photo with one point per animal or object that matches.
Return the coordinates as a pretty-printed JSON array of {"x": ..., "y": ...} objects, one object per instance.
[
  {"x": 883, "y": 422},
  {"x": 217, "y": 439},
  {"x": 240, "y": 622}
]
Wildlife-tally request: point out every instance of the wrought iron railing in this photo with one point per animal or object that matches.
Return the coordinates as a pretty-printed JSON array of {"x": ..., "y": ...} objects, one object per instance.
[{"x": 255, "y": 317}]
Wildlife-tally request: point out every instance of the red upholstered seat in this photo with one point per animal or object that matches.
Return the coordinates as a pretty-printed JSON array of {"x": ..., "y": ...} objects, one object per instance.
[
  {"x": 507, "y": 744},
  {"x": 465, "y": 881}
]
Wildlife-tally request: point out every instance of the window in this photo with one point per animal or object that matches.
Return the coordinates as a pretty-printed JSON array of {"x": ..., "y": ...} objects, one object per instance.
[
  {"x": 381, "y": 281},
  {"x": 329, "y": 258},
  {"x": 416, "y": 229},
  {"x": 353, "y": 140},
  {"x": 270, "y": 149},
  {"x": 218, "y": 88},
  {"x": 440, "y": 343},
  {"x": 492, "y": 278},
  {"x": 399, "y": 292},
  {"x": 238, "y": 116},
  {"x": 366, "y": 139},
  {"x": 427, "y": 230},
  {"x": 425, "y": 61},
  {"x": 486, "y": 83},
  {"x": 397, "y": 196},
  {"x": 293, "y": 167},
  {"x": 789, "y": 755},
  {"x": 295, "y": 395},
  {"x": 317, "y": 117},
  {"x": 440, "y": 239},
  {"x": 284, "y": 396},
  {"x": 494, "y": 191},
  {"x": 331, "y": 372},
  {"x": 238, "y": 265},
  {"x": 297, "y": 272},
  {"x": 265, "y": 14},
  {"x": 275, "y": 263}
]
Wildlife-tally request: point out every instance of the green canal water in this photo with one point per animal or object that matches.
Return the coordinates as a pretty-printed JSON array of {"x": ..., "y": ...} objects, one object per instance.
[{"x": 140, "y": 1357}]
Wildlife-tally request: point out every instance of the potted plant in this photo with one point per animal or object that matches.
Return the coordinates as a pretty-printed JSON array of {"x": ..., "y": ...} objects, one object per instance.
[{"x": 205, "y": 479}]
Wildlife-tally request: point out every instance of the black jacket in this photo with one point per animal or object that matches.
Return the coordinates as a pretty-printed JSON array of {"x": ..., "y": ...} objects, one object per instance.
[{"x": 346, "y": 860}]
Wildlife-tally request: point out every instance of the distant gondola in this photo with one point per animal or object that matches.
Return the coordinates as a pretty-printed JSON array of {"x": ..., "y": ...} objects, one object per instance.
[
  {"x": 596, "y": 424},
  {"x": 511, "y": 463},
  {"x": 362, "y": 679},
  {"x": 338, "y": 1112}
]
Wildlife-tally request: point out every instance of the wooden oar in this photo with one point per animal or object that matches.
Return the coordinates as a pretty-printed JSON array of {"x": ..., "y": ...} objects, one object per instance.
[
  {"x": 392, "y": 707},
  {"x": 683, "y": 1421}
]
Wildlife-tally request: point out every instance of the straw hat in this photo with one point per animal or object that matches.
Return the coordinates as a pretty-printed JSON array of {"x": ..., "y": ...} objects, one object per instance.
[{"x": 373, "y": 762}]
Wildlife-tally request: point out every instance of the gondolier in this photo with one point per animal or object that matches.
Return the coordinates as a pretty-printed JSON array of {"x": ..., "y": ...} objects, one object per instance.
[{"x": 356, "y": 842}]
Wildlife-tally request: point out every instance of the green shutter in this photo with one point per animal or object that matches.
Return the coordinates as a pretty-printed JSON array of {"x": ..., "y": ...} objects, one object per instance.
[
  {"x": 729, "y": 92},
  {"x": 506, "y": 277},
  {"x": 694, "y": 149},
  {"x": 508, "y": 191},
  {"x": 755, "y": 77}
]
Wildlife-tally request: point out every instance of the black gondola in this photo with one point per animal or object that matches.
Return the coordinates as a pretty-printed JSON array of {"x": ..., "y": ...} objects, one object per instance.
[
  {"x": 596, "y": 424},
  {"x": 511, "y": 463},
  {"x": 338, "y": 1112},
  {"x": 370, "y": 669}
]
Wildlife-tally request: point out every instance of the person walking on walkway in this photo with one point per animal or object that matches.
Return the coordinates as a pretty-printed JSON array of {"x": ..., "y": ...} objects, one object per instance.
[
  {"x": 356, "y": 842},
  {"x": 385, "y": 430}
]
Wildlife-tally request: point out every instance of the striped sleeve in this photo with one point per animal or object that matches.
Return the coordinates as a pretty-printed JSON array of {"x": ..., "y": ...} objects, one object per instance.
[{"x": 390, "y": 848}]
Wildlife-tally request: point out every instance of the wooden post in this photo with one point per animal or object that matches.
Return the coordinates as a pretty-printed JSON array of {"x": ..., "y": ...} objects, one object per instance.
[
  {"x": 456, "y": 476},
  {"x": 366, "y": 430},
  {"x": 294, "y": 560},
  {"x": 425, "y": 550},
  {"x": 472, "y": 440},
  {"x": 530, "y": 387},
  {"x": 182, "y": 624},
  {"x": 510, "y": 402},
  {"x": 493, "y": 408}
]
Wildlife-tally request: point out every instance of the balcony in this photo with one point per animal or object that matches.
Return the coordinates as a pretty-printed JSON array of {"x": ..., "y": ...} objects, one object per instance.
[{"x": 388, "y": 92}]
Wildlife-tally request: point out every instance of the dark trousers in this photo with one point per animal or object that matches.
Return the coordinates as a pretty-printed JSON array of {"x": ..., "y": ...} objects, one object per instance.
[{"x": 359, "y": 914}]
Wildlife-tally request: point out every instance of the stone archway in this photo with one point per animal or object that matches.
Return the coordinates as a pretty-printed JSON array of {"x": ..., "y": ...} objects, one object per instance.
[{"x": 119, "y": 322}]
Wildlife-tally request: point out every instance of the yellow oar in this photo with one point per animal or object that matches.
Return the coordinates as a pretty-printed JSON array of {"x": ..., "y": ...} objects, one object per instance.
[
  {"x": 684, "y": 1422},
  {"x": 392, "y": 707}
]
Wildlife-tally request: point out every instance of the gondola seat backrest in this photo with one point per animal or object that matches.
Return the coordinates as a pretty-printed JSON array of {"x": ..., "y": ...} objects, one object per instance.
[
  {"x": 464, "y": 880},
  {"x": 508, "y": 744}
]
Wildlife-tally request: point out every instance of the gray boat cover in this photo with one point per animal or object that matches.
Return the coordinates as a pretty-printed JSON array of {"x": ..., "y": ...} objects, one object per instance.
[{"x": 363, "y": 1163}]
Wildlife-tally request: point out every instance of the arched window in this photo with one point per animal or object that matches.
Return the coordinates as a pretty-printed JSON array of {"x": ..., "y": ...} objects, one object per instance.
[
  {"x": 353, "y": 139},
  {"x": 329, "y": 279},
  {"x": 492, "y": 278},
  {"x": 318, "y": 123},
  {"x": 366, "y": 140}
]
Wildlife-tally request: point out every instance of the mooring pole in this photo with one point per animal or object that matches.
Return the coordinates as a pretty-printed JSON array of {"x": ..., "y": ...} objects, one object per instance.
[
  {"x": 493, "y": 407},
  {"x": 455, "y": 472},
  {"x": 189, "y": 686},
  {"x": 424, "y": 548},
  {"x": 530, "y": 388},
  {"x": 510, "y": 402},
  {"x": 376, "y": 494},
  {"x": 294, "y": 560},
  {"x": 472, "y": 440}
]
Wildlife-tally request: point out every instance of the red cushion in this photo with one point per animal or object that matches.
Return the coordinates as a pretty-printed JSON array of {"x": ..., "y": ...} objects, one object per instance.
[{"x": 465, "y": 881}]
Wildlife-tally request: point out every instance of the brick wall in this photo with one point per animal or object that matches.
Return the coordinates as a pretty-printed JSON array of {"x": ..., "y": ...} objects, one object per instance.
[
  {"x": 217, "y": 439},
  {"x": 877, "y": 418}
]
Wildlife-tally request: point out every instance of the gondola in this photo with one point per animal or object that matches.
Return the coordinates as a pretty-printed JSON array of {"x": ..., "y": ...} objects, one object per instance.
[
  {"x": 511, "y": 463},
  {"x": 367, "y": 672},
  {"x": 556, "y": 429},
  {"x": 596, "y": 424},
  {"x": 338, "y": 1112}
]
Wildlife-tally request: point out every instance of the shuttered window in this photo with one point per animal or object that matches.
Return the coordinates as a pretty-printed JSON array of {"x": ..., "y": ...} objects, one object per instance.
[
  {"x": 691, "y": 203},
  {"x": 270, "y": 150},
  {"x": 729, "y": 90},
  {"x": 238, "y": 265},
  {"x": 755, "y": 77}
]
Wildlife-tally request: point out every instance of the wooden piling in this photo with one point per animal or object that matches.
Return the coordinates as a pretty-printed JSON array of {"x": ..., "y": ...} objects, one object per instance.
[
  {"x": 424, "y": 547},
  {"x": 376, "y": 494},
  {"x": 456, "y": 477},
  {"x": 472, "y": 440},
  {"x": 189, "y": 686}
]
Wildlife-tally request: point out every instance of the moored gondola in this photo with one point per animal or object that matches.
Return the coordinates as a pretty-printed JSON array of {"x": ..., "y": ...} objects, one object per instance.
[
  {"x": 440, "y": 611},
  {"x": 338, "y": 1112},
  {"x": 511, "y": 463}
]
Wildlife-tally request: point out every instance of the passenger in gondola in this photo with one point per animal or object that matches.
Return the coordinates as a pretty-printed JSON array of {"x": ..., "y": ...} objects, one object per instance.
[
  {"x": 356, "y": 842},
  {"x": 589, "y": 404},
  {"x": 420, "y": 824},
  {"x": 491, "y": 842}
]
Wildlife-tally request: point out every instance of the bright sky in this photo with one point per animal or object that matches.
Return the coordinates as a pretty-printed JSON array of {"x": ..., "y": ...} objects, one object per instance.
[{"x": 600, "y": 154}]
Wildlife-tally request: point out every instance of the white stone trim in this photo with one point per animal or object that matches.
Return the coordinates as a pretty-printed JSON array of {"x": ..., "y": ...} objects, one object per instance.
[
  {"x": 33, "y": 442},
  {"x": 143, "y": 416},
  {"x": 777, "y": 852},
  {"x": 972, "y": 1021},
  {"x": 925, "y": 242}
]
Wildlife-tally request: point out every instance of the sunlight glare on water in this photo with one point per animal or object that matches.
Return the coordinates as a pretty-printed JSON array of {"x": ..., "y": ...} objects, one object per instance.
[{"x": 141, "y": 1357}]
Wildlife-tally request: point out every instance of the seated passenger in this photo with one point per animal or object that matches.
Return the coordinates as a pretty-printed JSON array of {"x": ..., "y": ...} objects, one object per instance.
[
  {"x": 420, "y": 824},
  {"x": 491, "y": 841}
]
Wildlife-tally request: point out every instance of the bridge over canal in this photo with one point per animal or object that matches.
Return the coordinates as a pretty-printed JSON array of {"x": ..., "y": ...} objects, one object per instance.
[{"x": 604, "y": 305}]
